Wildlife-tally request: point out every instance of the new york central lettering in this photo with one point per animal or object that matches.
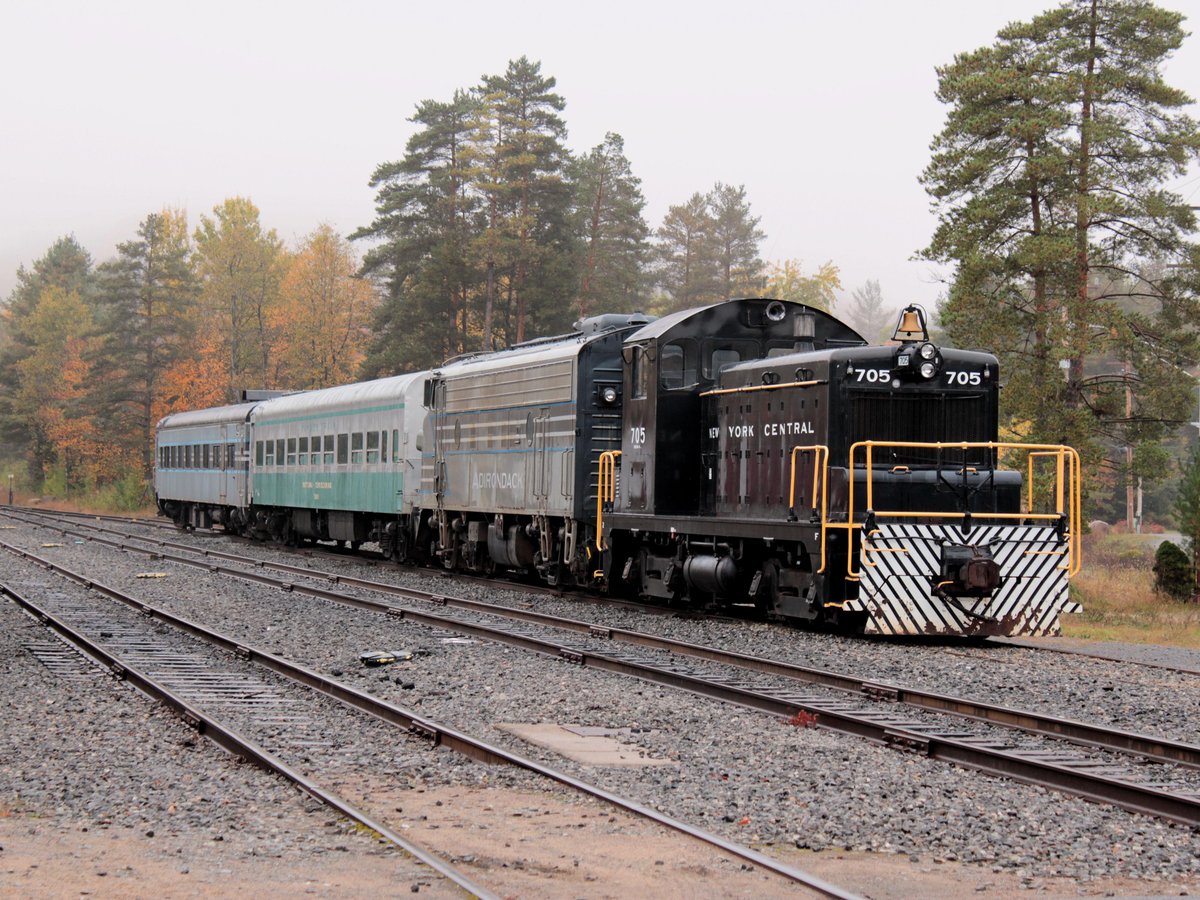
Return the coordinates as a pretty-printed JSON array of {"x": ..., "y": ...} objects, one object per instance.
[{"x": 770, "y": 429}]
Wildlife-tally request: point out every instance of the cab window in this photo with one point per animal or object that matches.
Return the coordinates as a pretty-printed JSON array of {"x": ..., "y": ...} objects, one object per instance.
[{"x": 677, "y": 365}]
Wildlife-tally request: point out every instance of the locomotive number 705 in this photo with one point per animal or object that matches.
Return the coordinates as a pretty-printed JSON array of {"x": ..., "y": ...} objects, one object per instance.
[{"x": 971, "y": 378}]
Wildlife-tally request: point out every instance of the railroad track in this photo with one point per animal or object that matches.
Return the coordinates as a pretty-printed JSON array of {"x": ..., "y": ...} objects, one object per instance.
[
  {"x": 1138, "y": 772},
  {"x": 200, "y": 689},
  {"x": 190, "y": 684},
  {"x": 586, "y": 597}
]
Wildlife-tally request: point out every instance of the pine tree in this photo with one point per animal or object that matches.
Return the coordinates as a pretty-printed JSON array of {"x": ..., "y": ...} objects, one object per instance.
[
  {"x": 1049, "y": 179},
  {"x": 688, "y": 265},
  {"x": 144, "y": 303},
  {"x": 1187, "y": 511},
  {"x": 736, "y": 237},
  {"x": 708, "y": 248},
  {"x": 426, "y": 218},
  {"x": 611, "y": 233},
  {"x": 868, "y": 315},
  {"x": 517, "y": 158}
]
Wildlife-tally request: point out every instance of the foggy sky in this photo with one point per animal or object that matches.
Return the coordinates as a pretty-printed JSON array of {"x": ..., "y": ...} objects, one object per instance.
[{"x": 824, "y": 111}]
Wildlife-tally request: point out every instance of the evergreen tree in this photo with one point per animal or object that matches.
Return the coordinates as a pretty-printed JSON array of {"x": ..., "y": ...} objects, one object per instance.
[
  {"x": 611, "y": 233},
  {"x": 68, "y": 267},
  {"x": 736, "y": 238},
  {"x": 1049, "y": 179},
  {"x": 688, "y": 264},
  {"x": 517, "y": 160},
  {"x": 868, "y": 314},
  {"x": 708, "y": 248},
  {"x": 426, "y": 217},
  {"x": 144, "y": 300}
]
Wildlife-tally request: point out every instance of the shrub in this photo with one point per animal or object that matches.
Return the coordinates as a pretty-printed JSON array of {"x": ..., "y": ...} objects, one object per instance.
[{"x": 1173, "y": 572}]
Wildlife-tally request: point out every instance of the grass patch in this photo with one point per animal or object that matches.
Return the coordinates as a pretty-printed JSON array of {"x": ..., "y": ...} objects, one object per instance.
[{"x": 1116, "y": 588}]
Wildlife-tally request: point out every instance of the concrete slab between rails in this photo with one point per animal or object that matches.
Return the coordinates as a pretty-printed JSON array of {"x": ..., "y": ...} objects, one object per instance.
[{"x": 588, "y": 745}]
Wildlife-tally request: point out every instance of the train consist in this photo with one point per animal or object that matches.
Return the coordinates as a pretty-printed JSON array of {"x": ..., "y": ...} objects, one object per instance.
[{"x": 750, "y": 453}]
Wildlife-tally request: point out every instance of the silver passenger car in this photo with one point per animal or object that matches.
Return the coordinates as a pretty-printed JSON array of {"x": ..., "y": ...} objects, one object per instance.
[{"x": 201, "y": 476}]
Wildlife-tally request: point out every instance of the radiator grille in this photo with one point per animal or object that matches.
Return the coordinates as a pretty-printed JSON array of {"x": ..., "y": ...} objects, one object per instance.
[{"x": 926, "y": 418}]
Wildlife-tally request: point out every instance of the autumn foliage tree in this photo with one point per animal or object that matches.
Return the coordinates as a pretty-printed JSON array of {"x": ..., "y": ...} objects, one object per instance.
[
  {"x": 786, "y": 281},
  {"x": 319, "y": 322},
  {"x": 65, "y": 266},
  {"x": 53, "y": 387},
  {"x": 240, "y": 265}
]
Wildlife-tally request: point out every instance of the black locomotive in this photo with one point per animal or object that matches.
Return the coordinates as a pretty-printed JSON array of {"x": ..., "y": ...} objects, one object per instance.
[{"x": 770, "y": 457}]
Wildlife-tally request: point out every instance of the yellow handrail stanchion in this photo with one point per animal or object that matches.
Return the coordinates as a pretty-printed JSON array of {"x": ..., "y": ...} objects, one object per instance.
[
  {"x": 606, "y": 491},
  {"x": 821, "y": 475}
]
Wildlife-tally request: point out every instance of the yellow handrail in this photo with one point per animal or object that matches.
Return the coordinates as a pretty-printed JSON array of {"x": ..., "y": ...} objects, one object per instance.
[
  {"x": 1068, "y": 495},
  {"x": 606, "y": 490},
  {"x": 746, "y": 389},
  {"x": 820, "y": 474}
]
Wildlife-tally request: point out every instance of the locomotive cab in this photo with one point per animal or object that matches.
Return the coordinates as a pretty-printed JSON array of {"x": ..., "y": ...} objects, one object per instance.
[
  {"x": 658, "y": 535},
  {"x": 670, "y": 364}
]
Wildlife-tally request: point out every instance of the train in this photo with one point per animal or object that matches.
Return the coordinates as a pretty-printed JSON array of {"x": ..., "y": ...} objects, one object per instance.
[{"x": 754, "y": 454}]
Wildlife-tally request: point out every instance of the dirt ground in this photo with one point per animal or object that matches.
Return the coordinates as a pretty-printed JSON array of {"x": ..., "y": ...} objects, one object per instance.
[{"x": 519, "y": 844}]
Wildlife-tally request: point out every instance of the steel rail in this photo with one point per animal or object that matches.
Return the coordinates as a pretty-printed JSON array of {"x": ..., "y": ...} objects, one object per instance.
[
  {"x": 238, "y": 744},
  {"x": 437, "y": 734},
  {"x": 1159, "y": 749}
]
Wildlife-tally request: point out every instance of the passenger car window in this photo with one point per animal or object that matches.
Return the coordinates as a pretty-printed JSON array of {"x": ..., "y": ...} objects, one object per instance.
[{"x": 343, "y": 449}]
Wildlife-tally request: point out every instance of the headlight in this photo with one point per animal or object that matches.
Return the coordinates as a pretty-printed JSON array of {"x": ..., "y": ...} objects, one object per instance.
[
  {"x": 928, "y": 370},
  {"x": 608, "y": 395},
  {"x": 927, "y": 351}
]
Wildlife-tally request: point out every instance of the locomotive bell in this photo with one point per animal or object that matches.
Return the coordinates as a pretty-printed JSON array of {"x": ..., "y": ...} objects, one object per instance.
[{"x": 911, "y": 326}]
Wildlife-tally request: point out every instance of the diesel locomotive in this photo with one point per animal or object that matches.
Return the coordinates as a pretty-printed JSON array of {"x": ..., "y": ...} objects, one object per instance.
[{"x": 753, "y": 453}]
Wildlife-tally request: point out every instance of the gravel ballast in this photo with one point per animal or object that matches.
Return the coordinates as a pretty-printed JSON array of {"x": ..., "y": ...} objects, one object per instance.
[{"x": 752, "y": 777}]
